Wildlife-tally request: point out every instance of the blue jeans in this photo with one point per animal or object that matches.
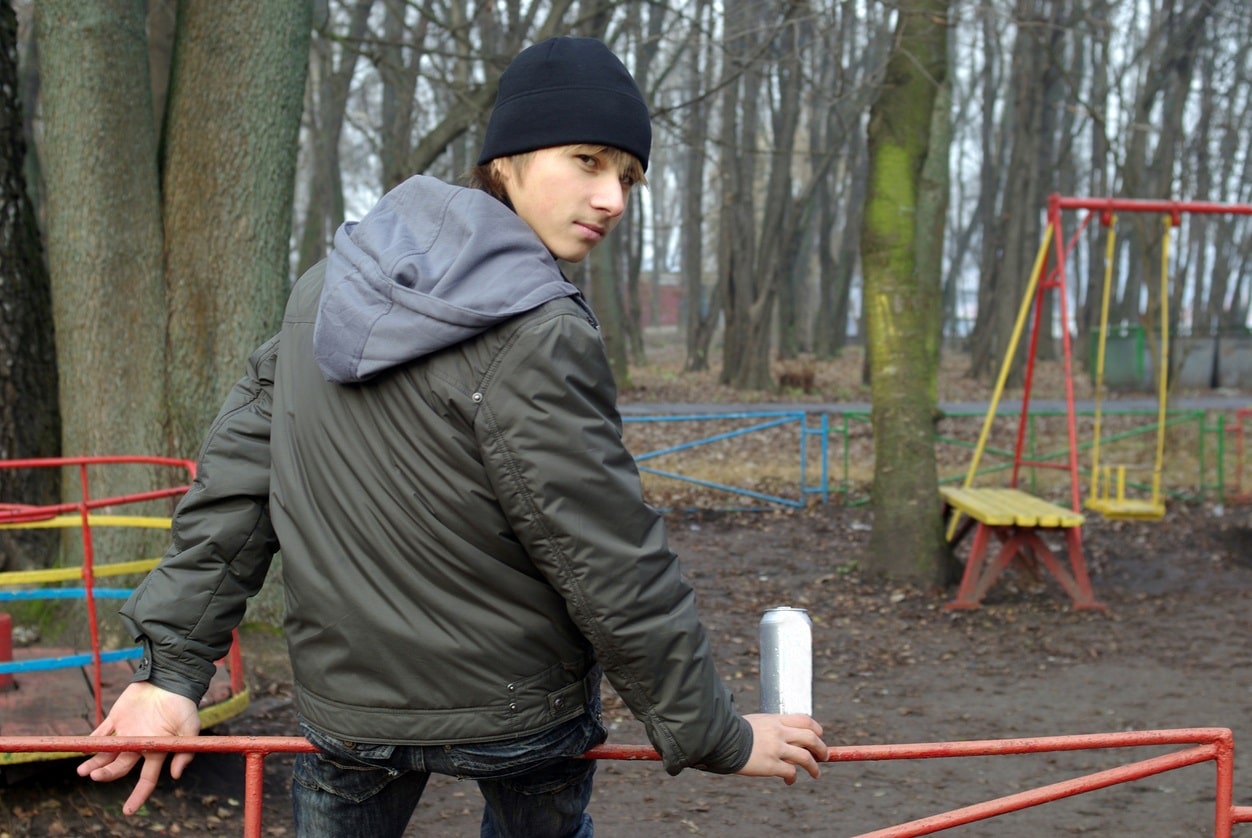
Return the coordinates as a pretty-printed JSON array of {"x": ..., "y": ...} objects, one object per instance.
[{"x": 534, "y": 786}]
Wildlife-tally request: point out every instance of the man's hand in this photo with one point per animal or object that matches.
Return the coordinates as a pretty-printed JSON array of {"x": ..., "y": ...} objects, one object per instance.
[
  {"x": 143, "y": 710},
  {"x": 781, "y": 743}
]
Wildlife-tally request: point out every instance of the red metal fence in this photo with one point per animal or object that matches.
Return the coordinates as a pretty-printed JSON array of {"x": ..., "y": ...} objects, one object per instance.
[{"x": 1195, "y": 745}]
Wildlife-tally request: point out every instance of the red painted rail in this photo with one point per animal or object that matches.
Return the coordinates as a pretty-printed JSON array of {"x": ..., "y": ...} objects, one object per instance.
[{"x": 1196, "y": 745}]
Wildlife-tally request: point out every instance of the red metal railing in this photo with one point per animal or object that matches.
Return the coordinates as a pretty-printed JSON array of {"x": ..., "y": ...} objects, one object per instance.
[
  {"x": 17, "y": 514},
  {"x": 1241, "y": 493},
  {"x": 20, "y": 513},
  {"x": 1197, "y": 745}
]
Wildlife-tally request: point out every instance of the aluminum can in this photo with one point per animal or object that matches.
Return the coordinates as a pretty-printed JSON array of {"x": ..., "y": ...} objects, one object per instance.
[{"x": 786, "y": 661}]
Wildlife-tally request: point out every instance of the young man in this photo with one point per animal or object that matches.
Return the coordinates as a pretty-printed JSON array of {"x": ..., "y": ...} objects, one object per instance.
[{"x": 433, "y": 440}]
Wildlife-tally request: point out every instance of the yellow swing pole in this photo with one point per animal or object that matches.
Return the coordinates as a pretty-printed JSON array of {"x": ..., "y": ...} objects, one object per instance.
[
  {"x": 1109, "y": 252},
  {"x": 1022, "y": 313},
  {"x": 1162, "y": 367}
]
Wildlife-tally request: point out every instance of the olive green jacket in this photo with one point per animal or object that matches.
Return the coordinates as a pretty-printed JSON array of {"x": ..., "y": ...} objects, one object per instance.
[{"x": 464, "y": 545}]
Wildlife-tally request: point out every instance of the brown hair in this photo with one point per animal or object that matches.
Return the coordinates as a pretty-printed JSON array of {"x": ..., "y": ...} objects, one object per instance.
[{"x": 487, "y": 176}]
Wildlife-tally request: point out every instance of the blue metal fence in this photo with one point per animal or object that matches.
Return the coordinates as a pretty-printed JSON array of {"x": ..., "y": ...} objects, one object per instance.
[{"x": 829, "y": 465}]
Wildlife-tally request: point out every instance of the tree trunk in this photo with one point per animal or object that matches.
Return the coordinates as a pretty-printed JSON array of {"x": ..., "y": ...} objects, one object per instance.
[
  {"x": 647, "y": 37},
  {"x": 1054, "y": 96},
  {"x": 984, "y": 352},
  {"x": 162, "y": 25},
  {"x": 228, "y": 187},
  {"x": 907, "y": 542},
  {"x": 1149, "y": 172},
  {"x": 104, "y": 246},
  {"x": 701, "y": 314},
  {"x": 29, "y": 419},
  {"x": 330, "y": 81},
  {"x": 842, "y": 190},
  {"x": 1089, "y": 306},
  {"x": 629, "y": 268},
  {"x": 1017, "y": 229},
  {"x": 397, "y": 64},
  {"x": 605, "y": 297},
  {"x": 737, "y": 227},
  {"x": 762, "y": 246},
  {"x": 932, "y": 212}
]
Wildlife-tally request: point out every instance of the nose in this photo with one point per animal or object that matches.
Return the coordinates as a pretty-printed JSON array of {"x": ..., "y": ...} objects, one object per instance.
[{"x": 610, "y": 195}]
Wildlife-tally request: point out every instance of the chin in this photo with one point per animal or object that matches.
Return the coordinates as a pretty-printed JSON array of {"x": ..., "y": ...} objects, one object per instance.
[{"x": 573, "y": 258}]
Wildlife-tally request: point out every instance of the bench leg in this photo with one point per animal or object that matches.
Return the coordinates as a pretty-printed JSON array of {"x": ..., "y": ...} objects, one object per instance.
[
  {"x": 966, "y": 595},
  {"x": 1026, "y": 545},
  {"x": 1082, "y": 595}
]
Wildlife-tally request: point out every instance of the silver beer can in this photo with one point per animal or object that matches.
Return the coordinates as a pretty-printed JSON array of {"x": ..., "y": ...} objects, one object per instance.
[{"x": 786, "y": 661}]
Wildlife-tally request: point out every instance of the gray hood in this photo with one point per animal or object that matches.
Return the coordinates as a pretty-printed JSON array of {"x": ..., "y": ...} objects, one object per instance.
[{"x": 429, "y": 266}]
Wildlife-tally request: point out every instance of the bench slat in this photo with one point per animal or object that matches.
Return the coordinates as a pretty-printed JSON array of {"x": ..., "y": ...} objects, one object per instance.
[{"x": 1006, "y": 507}]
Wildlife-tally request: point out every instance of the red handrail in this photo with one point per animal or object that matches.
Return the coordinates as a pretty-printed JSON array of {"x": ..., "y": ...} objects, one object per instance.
[{"x": 1204, "y": 745}]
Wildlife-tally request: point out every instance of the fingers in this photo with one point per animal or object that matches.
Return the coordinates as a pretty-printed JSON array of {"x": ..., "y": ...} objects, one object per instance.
[
  {"x": 799, "y": 756},
  {"x": 147, "y": 783},
  {"x": 813, "y": 744},
  {"x": 143, "y": 710},
  {"x": 783, "y": 744},
  {"x": 107, "y": 767},
  {"x": 98, "y": 761},
  {"x": 179, "y": 763},
  {"x": 799, "y": 721},
  {"x": 809, "y": 763}
]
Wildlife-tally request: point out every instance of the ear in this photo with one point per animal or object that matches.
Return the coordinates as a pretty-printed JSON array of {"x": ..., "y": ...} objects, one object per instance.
[{"x": 502, "y": 169}]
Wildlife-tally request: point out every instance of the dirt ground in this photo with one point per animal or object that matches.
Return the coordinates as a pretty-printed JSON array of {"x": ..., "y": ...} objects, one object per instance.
[{"x": 891, "y": 666}]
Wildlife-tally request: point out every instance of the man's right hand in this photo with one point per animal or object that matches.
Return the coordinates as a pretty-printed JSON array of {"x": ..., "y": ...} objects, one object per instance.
[
  {"x": 783, "y": 743},
  {"x": 143, "y": 710}
]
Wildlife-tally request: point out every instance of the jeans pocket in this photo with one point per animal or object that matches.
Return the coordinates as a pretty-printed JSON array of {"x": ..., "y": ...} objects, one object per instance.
[
  {"x": 345, "y": 769},
  {"x": 566, "y": 741},
  {"x": 552, "y": 778}
]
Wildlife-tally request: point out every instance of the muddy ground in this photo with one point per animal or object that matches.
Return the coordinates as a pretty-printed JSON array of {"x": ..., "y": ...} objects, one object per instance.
[{"x": 1172, "y": 650}]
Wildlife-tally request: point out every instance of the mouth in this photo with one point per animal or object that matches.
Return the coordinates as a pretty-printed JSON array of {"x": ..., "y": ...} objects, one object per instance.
[{"x": 594, "y": 232}]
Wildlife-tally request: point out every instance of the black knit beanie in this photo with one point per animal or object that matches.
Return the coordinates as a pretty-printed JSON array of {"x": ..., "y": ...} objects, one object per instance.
[{"x": 564, "y": 91}]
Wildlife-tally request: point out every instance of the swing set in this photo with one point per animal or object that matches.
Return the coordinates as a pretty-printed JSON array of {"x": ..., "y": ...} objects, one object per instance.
[
  {"x": 1108, "y": 482},
  {"x": 1016, "y": 518}
]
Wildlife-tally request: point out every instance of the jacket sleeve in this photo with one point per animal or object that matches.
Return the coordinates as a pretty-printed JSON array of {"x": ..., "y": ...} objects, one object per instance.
[
  {"x": 572, "y": 493},
  {"x": 185, "y": 609}
]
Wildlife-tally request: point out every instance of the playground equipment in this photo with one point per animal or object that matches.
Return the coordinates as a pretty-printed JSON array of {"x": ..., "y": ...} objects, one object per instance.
[
  {"x": 1236, "y": 430},
  {"x": 1187, "y": 747},
  {"x": 1017, "y": 519},
  {"x": 60, "y": 690},
  {"x": 1108, "y": 482}
]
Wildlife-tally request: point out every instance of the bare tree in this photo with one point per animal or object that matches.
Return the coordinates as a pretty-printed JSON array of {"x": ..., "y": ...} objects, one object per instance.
[
  {"x": 332, "y": 65},
  {"x": 850, "y": 71},
  {"x": 907, "y": 541},
  {"x": 226, "y": 205},
  {"x": 29, "y": 420},
  {"x": 1011, "y": 238},
  {"x": 752, "y": 263},
  {"x": 702, "y": 314},
  {"x": 104, "y": 227},
  {"x": 168, "y": 261}
]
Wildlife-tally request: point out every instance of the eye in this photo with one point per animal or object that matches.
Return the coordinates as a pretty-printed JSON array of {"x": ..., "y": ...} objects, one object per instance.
[{"x": 588, "y": 160}]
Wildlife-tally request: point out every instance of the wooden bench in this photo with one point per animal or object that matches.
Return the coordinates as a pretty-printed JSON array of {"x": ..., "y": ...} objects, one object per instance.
[
  {"x": 1015, "y": 518},
  {"x": 1004, "y": 507}
]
